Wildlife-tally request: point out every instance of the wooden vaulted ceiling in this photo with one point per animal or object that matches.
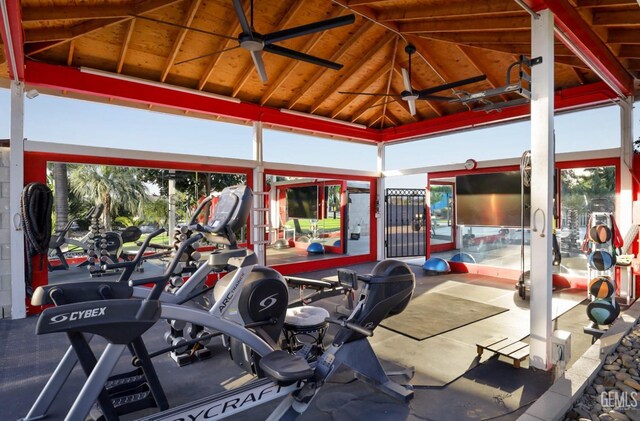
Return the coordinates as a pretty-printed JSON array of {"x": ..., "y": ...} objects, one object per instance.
[{"x": 455, "y": 39}]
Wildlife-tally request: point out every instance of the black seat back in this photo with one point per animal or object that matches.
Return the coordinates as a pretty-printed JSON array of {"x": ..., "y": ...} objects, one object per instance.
[{"x": 387, "y": 291}]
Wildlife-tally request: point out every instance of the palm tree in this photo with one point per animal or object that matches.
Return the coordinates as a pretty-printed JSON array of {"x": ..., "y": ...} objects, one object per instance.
[
  {"x": 112, "y": 186},
  {"x": 61, "y": 188}
]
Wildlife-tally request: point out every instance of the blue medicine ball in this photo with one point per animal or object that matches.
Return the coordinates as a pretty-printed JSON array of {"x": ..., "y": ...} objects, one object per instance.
[
  {"x": 436, "y": 266},
  {"x": 603, "y": 311},
  {"x": 336, "y": 243},
  {"x": 315, "y": 248},
  {"x": 601, "y": 260},
  {"x": 462, "y": 257}
]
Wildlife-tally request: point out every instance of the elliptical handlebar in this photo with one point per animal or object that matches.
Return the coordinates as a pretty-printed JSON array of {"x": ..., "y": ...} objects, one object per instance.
[
  {"x": 164, "y": 278},
  {"x": 201, "y": 228},
  {"x": 199, "y": 209},
  {"x": 132, "y": 264},
  {"x": 349, "y": 325}
]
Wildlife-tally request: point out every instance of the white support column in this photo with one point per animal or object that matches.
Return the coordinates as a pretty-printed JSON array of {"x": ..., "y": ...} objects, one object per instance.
[
  {"x": 257, "y": 220},
  {"x": 542, "y": 159},
  {"x": 624, "y": 200},
  {"x": 172, "y": 203},
  {"x": 380, "y": 214},
  {"x": 16, "y": 184}
]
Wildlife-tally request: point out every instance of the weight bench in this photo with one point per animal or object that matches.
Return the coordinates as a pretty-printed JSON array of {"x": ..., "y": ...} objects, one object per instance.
[{"x": 510, "y": 348}]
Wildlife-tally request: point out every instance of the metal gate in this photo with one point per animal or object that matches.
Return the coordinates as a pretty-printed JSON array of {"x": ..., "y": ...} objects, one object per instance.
[{"x": 405, "y": 223}]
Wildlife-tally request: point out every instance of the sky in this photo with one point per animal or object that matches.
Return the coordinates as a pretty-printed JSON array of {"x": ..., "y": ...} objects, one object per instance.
[{"x": 64, "y": 120}]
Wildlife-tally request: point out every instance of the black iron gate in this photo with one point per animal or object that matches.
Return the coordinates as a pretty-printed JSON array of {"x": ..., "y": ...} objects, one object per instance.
[{"x": 405, "y": 223}]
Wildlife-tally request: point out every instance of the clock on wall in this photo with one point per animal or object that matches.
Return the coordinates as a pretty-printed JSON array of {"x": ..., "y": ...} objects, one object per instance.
[{"x": 470, "y": 164}]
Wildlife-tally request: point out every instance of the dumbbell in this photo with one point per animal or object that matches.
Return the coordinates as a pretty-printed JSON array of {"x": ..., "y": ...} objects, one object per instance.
[
  {"x": 178, "y": 325},
  {"x": 176, "y": 281},
  {"x": 181, "y": 344}
]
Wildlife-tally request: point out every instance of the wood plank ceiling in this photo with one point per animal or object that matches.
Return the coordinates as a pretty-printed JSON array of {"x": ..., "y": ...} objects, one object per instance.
[{"x": 455, "y": 39}]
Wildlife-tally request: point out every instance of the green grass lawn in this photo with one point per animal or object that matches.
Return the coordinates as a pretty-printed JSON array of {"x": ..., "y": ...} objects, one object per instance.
[{"x": 328, "y": 224}]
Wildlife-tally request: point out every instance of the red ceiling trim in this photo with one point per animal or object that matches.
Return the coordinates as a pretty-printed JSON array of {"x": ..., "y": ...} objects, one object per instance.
[
  {"x": 566, "y": 99},
  {"x": 569, "y": 21},
  {"x": 74, "y": 80},
  {"x": 14, "y": 49}
]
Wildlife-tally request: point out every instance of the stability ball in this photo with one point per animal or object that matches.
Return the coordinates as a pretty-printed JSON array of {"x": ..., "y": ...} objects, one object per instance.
[
  {"x": 436, "y": 266},
  {"x": 315, "y": 248},
  {"x": 462, "y": 257}
]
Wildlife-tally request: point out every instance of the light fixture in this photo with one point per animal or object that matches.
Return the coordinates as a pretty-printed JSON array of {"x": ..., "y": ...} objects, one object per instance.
[
  {"x": 96, "y": 72},
  {"x": 321, "y": 118},
  {"x": 32, "y": 93}
]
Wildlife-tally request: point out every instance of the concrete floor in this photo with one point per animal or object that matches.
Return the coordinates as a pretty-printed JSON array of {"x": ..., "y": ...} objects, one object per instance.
[{"x": 450, "y": 383}]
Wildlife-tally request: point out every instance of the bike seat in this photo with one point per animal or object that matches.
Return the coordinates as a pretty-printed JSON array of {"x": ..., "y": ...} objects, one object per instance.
[{"x": 285, "y": 368}]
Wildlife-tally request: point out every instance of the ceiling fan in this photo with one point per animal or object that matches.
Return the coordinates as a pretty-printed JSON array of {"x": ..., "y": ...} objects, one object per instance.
[
  {"x": 256, "y": 43},
  {"x": 410, "y": 95}
]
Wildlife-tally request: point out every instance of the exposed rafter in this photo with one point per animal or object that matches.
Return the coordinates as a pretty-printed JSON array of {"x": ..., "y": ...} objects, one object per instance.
[
  {"x": 508, "y": 23},
  {"x": 78, "y": 12},
  {"x": 364, "y": 86},
  {"x": 501, "y": 37},
  {"x": 60, "y": 37},
  {"x": 612, "y": 18},
  {"x": 393, "y": 62},
  {"x": 366, "y": 107},
  {"x": 603, "y": 3},
  {"x": 475, "y": 9},
  {"x": 335, "y": 57},
  {"x": 191, "y": 14},
  {"x": 352, "y": 69},
  {"x": 585, "y": 41},
  {"x": 470, "y": 54},
  {"x": 72, "y": 47},
  {"x": 579, "y": 75},
  {"x": 220, "y": 46},
  {"x": 125, "y": 45}
]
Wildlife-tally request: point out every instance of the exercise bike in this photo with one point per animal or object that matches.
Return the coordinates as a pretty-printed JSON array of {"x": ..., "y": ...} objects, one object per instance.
[{"x": 387, "y": 291}]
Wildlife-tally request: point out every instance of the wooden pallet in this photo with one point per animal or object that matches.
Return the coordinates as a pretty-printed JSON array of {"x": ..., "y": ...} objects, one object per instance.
[{"x": 510, "y": 348}]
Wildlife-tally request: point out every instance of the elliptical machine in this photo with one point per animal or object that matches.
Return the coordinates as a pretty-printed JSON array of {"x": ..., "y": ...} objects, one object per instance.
[{"x": 250, "y": 290}]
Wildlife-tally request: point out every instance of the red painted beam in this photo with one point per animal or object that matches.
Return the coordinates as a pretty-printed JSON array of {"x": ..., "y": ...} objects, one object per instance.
[
  {"x": 15, "y": 47},
  {"x": 593, "y": 94},
  {"x": 571, "y": 23},
  {"x": 74, "y": 80}
]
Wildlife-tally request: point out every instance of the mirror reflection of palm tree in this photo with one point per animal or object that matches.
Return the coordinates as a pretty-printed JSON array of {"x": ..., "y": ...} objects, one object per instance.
[{"x": 112, "y": 186}]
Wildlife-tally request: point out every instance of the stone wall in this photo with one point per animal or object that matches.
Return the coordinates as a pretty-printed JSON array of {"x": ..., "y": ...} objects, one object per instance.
[{"x": 5, "y": 225}]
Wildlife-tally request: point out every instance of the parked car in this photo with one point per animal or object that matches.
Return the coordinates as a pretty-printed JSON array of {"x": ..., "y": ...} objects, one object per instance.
[{"x": 147, "y": 228}]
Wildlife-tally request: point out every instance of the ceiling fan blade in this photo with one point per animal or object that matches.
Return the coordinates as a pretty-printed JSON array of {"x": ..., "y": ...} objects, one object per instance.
[
  {"x": 177, "y": 25},
  {"x": 367, "y": 93},
  {"x": 257, "y": 60},
  {"x": 206, "y": 55},
  {"x": 310, "y": 28},
  {"x": 451, "y": 85},
  {"x": 406, "y": 80},
  {"x": 281, "y": 51},
  {"x": 412, "y": 106},
  {"x": 244, "y": 23}
]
